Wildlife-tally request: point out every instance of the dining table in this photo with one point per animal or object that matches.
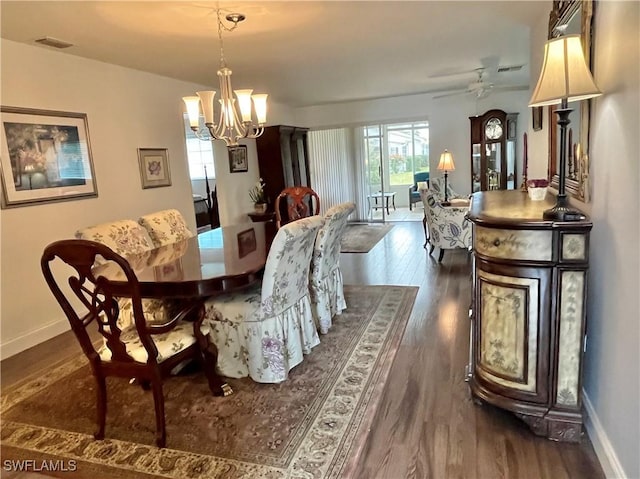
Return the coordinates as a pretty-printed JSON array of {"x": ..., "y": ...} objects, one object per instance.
[{"x": 213, "y": 262}]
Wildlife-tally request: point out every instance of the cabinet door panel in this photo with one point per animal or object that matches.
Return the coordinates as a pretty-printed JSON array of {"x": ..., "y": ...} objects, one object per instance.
[{"x": 510, "y": 331}]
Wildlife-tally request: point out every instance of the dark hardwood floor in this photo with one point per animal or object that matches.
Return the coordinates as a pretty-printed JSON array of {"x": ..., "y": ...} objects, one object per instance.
[{"x": 426, "y": 425}]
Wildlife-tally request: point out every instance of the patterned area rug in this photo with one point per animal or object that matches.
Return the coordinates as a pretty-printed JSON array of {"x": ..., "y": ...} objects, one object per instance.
[
  {"x": 312, "y": 425},
  {"x": 360, "y": 238}
]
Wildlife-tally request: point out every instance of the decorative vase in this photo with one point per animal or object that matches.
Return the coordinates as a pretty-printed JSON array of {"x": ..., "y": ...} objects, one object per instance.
[
  {"x": 537, "y": 194},
  {"x": 260, "y": 207}
]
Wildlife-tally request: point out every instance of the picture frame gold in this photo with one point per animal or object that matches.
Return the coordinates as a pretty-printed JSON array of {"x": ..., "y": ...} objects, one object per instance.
[{"x": 154, "y": 167}]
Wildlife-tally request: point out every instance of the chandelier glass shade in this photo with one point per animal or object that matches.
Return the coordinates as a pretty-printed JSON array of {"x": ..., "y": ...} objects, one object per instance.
[{"x": 231, "y": 125}]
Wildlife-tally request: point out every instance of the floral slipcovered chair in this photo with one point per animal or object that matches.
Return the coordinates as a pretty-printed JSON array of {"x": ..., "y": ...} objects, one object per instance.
[
  {"x": 263, "y": 332},
  {"x": 448, "y": 226},
  {"x": 326, "y": 287},
  {"x": 126, "y": 237},
  {"x": 122, "y": 236},
  {"x": 166, "y": 227}
]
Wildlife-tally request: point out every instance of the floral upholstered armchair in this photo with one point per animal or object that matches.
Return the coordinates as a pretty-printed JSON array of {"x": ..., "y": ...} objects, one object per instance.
[
  {"x": 448, "y": 225},
  {"x": 436, "y": 186},
  {"x": 166, "y": 227},
  {"x": 263, "y": 332},
  {"x": 327, "y": 296}
]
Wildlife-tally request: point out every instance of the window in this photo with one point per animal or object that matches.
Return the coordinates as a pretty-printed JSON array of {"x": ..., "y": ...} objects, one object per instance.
[{"x": 199, "y": 154}]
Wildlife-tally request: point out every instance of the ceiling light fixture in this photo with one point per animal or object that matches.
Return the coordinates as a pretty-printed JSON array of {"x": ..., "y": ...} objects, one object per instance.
[{"x": 231, "y": 126}]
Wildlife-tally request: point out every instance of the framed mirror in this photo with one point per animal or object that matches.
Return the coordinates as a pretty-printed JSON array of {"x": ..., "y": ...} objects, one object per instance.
[{"x": 570, "y": 17}]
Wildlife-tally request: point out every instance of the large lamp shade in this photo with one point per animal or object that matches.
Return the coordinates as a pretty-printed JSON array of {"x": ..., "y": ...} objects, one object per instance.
[{"x": 565, "y": 74}]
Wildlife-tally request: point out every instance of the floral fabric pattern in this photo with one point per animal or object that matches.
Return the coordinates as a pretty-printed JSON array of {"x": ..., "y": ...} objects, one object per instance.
[
  {"x": 436, "y": 186},
  {"x": 122, "y": 236},
  {"x": 264, "y": 331},
  {"x": 326, "y": 286},
  {"x": 166, "y": 227},
  {"x": 448, "y": 226},
  {"x": 168, "y": 344}
]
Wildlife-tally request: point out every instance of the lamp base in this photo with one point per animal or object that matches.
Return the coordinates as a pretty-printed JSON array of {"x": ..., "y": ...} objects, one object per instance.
[{"x": 563, "y": 213}]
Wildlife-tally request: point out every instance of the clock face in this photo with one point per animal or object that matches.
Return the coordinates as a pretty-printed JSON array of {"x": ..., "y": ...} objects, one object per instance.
[{"x": 493, "y": 129}]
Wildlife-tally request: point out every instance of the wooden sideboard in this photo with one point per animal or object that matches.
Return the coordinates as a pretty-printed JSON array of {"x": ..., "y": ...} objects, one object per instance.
[{"x": 528, "y": 311}]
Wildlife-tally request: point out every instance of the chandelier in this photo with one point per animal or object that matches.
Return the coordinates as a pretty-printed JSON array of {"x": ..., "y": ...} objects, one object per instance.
[{"x": 231, "y": 126}]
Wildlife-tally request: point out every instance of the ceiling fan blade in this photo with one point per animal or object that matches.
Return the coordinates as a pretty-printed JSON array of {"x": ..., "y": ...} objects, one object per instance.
[
  {"x": 509, "y": 68},
  {"x": 511, "y": 87},
  {"x": 451, "y": 73},
  {"x": 454, "y": 93}
]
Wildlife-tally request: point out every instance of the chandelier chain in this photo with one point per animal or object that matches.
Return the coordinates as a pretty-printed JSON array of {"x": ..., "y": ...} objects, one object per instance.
[{"x": 222, "y": 27}]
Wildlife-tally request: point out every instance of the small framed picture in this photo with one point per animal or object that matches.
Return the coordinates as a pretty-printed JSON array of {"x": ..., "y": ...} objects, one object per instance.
[
  {"x": 536, "y": 113},
  {"x": 238, "y": 162},
  {"x": 154, "y": 167},
  {"x": 45, "y": 156},
  {"x": 246, "y": 242}
]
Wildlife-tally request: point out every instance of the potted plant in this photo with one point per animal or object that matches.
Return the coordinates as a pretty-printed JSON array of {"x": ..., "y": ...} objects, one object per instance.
[{"x": 258, "y": 196}]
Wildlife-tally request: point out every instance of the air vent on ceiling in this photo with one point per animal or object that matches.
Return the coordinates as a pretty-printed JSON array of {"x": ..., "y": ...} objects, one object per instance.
[
  {"x": 54, "y": 42},
  {"x": 512, "y": 68}
]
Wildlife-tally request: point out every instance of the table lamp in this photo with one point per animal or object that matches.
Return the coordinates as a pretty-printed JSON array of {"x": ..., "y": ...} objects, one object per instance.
[
  {"x": 565, "y": 77},
  {"x": 446, "y": 164}
]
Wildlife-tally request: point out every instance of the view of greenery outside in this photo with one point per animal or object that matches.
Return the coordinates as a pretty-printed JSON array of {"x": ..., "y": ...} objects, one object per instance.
[
  {"x": 408, "y": 152},
  {"x": 407, "y": 148}
]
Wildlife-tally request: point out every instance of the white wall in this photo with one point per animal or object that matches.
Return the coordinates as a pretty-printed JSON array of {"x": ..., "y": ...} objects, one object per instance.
[
  {"x": 448, "y": 123},
  {"x": 126, "y": 110},
  {"x": 612, "y": 372}
]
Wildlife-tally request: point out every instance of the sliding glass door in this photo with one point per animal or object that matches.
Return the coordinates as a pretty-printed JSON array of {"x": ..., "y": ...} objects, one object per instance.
[
  {"x": 392, "y": 155},
  {"x": 374, "y": 172}
]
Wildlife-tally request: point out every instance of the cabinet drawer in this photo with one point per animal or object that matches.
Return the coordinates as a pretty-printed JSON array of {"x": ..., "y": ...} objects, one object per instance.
[{"x": 514, "y": 244}]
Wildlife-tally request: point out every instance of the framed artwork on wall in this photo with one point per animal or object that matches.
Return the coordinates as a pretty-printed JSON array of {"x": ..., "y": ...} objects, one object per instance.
[
  {"x": 45, "y": 156},
  {"x": 238, "y": 162},
  {"x": 154, "y": 167}
]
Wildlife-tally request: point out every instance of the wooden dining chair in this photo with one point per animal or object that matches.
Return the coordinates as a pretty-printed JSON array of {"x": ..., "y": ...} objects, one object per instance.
[
  {"x": 299, "y": 203},
  {"x": 148, "y": 349},
  {"x": 325, "y": 278}
]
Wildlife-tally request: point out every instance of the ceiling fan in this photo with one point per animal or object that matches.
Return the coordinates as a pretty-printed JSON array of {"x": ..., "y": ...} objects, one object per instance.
[{"x": 481, "y": 88}]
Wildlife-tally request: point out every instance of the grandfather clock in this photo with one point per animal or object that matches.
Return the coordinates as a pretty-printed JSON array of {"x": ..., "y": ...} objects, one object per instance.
[{"x": 493, "y": 151}]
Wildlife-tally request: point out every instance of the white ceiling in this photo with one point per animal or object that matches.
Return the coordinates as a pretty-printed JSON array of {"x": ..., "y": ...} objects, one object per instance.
[{"x": 300, "y": 52}]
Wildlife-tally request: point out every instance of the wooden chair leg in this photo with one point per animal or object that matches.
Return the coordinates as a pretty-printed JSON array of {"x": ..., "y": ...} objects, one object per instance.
[
  {"x": 208, "y": 358},
  {"x": 158, "y": 402},
  {"x": 101, "y": 403},
  {"x": 441, "y": 255}
]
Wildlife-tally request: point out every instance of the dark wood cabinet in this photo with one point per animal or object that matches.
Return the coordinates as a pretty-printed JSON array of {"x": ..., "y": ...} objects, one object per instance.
[
  {"x": 528, "y": 312},
  {"x": 493, "y": 151},
  {"x": 283, "y": 159}
]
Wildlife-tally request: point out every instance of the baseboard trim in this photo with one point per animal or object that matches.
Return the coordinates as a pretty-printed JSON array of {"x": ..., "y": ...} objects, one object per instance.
[
  {"x": 603, "y": 447},
  {"x": 33, "y": 338}
]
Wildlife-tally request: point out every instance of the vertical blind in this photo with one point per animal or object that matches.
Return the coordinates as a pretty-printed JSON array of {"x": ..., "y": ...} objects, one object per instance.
[{"x": 332, "y": 166}]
